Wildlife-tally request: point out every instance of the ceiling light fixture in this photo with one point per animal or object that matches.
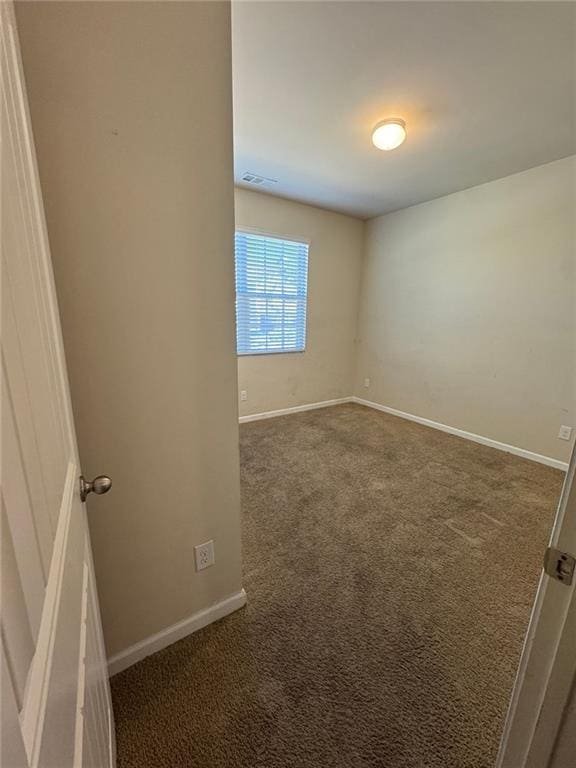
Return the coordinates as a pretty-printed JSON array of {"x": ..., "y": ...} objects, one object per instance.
[{"x": 389, "y": 134}]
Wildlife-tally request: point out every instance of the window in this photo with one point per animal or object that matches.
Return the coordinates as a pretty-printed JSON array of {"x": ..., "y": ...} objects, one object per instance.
[{"x": 271, "y": 289}]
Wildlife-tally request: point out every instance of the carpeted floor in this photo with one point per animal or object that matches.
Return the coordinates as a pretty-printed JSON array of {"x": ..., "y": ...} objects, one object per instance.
[{"x": 390, "y": 570}]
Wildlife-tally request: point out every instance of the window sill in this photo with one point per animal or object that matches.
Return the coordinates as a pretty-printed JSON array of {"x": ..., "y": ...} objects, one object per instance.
[{"x": 271, "y": 352}]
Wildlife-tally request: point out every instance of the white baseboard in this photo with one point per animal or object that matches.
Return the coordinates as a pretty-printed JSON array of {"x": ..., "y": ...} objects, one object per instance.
[
  {"x": 549, "y": 461},
  {"x": 166, "y": 637},
  {"x": 295, "y": 409}
]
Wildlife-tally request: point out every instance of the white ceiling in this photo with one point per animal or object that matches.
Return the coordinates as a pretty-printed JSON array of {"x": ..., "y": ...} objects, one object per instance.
[{"x": 486, "y": 88}]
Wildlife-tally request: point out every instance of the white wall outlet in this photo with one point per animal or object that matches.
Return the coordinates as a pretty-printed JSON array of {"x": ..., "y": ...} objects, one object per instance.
[
  {"x": 565, "y": 433},
  {"x": 366, "y": 383},
  {"x": 243, "y": 394},
  {"x": 204, "y": 555}
]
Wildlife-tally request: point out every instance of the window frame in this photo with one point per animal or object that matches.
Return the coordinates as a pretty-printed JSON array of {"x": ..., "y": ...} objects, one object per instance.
[{"x": 276, "y": 236}]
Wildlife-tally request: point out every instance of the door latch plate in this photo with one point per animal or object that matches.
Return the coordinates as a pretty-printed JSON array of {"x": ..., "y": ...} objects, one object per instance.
[{"x": 559, "y": 565}]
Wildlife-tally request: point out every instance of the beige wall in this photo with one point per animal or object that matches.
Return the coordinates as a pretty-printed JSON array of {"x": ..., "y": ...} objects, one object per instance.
[
  {"x": 468, "y": 309},
  {"x": 131, "y": 108},
  {"x": 325, "y": 370}
]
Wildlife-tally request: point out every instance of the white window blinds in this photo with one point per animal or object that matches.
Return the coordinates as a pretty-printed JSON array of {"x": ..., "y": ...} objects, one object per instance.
[{"x": 271, "y": 290}]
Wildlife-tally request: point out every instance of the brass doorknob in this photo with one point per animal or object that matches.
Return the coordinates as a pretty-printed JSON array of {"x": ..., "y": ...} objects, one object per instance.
[{"x": 99, "y": 485}]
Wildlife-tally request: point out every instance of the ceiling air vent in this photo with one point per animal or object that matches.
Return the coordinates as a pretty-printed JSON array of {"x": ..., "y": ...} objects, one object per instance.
[{"x": 260, "y": 181}]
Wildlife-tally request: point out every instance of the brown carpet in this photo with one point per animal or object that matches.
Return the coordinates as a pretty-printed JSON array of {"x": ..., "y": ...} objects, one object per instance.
[{"x": 390, "y": 571}]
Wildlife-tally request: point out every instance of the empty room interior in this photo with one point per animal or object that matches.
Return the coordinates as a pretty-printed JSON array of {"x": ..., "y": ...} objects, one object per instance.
[{"x": 289, "y": 299}]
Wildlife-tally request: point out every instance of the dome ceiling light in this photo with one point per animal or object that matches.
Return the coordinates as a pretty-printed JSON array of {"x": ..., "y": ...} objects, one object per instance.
[{"x": 389, "y": 134}]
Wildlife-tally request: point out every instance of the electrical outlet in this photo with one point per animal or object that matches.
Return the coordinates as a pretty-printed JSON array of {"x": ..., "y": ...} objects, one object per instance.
[
  {"x": 366, "y": 383},
  {"x": 204, "y": 555},
  {"x": 243, "y": 394},
  {"x": 565, "y": 433}
]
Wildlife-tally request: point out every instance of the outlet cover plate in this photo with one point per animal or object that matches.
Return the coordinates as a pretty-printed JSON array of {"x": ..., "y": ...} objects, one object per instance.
[
  {"x": 204, "y": 555},
  {"x": 565, "y": 433}
]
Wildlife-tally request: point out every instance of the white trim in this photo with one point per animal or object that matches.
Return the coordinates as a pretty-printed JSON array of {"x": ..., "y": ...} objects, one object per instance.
[
  {"x": 295, "y": 409},
  {"x": 166, "y": 637},
  {"x": 522, "y": 452},
  {"x": 81, "y": 693},
  {"x": 33, "y": 710},
  {"x": 548, "y": 460}
]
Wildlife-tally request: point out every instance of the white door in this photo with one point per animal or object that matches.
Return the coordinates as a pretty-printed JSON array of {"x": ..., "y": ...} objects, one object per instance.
[
  {"x": 56, "y": 707},
  {"x": 543, "y": 706}
]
